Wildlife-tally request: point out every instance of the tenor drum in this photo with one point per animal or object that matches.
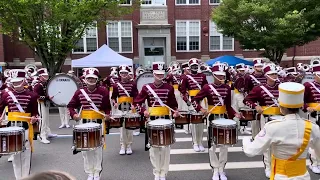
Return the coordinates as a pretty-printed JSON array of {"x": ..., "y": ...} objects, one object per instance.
[
  {"x": 61, "y": 88},
  {"x": 196, "y": 118},
  {"x": 248, "y": 114},
  {"x": 145, "y": 78},
  {"x": 12, "y": 140},
  {"x": 182, "y": 120},
  {"x": 160, "y": 133},
  {"x": 116, "y": 121},
  {"x": 132, "y": 121},
  {"x": 223, "y": 132},
  {"x": 87, "y": 136}
]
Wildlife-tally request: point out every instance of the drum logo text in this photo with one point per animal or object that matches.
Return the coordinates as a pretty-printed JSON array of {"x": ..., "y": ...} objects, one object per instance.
[{"x": 63, "y": 80}]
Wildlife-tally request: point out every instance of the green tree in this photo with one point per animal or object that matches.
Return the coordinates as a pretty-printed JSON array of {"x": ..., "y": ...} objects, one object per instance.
[
  {"x": 51, "y": 28},
  {"x": 272, "y": 25}
]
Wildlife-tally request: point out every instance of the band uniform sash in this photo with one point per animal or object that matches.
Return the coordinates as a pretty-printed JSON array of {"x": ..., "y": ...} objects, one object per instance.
[
  {"x": 176, "y": 86},
  {"x": 314, "y": 105},
  {"x": 159, "y": 111},
  {"x": 93, "y": 115},
  {"x": 293, "y": 167},
  {"x": 193, "y": 93},
  {"x": 14, "y": 116},
  {"x": 271, "y": 110},
  {"x": 236, "y": 91},
  {"x": 125, "y": 99},
  {"x": 217, "y": 109}
]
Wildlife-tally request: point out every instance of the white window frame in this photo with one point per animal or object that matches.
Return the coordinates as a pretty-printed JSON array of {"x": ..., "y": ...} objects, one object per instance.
[
  {"x": 84, "y": 38},
  {"x": 221, "y": 41},
  {"x": 214, "y": 4},
  {"x": 120, "y": 37},
  {"x": 152, "y": 4},
  {"x": 126, "y": 4},
  {"x": 188, "y": 36},
  {"x": 187, "y": 3}
]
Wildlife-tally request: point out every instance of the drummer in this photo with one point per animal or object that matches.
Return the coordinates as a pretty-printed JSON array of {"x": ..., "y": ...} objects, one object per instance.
[
  {"x": 289, "y": 137},
  {"x": 312, "y": 106},
  {"x": 159, "y": 95},
  {"x": 255, "y": 78},
  {"x": 174, "y": 79},
  {"x": 237, "y": 99},
  {"x": 184, "y": 107},
  {"x": 293, "y": 75},
  {"x": 191, "y": 84},
  {"x": 83, "y": 99},
  {"x": 29, "y": 108},
  {"x": 263, "y": 99},
  {"x": 123, "y": 95},
  {"x": 44, "y": 105},
  {"x": 219, "y": 99}
]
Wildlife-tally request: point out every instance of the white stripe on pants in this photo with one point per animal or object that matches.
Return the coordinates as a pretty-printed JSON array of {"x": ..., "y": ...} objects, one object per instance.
[
  {"x": 64, "y": 115},
  {"x": 44, "y": 112},
  {"x": 160, "y": 160},
  {"x": 22, "y": 161},
  {"x": 218, "y": 164},
  {"x": 93, "y": 161}
]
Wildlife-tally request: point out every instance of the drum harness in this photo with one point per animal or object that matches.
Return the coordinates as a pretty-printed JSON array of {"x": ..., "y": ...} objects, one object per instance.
[{"x": 275, "y": 101}]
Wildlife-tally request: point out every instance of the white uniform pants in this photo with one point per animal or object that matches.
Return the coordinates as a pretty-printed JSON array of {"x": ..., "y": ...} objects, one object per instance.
[
  {"x": 237, "y": 101},
  {"x": 44, "y": 112},
  {"x": 93, "y": 161},
  {"x": 126, "y": 137},
  {"x": 22, "y": 161},
  {"x": 160, "y": 160},
  {"x": 197, "y": 130},
  {"x": 64, "y": 115},
  {"x": 218, "y": 164}
]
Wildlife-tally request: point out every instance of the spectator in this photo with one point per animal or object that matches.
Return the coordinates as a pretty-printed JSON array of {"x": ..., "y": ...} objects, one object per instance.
[{"x": 50, "y": 175}]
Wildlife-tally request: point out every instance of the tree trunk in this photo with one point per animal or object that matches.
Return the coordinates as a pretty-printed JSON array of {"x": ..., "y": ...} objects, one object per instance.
[{"x": 274, "y": 55}]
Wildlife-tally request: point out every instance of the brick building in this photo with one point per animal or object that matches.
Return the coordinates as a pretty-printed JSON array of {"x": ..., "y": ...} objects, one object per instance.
[{"x": 169, "y": 30}]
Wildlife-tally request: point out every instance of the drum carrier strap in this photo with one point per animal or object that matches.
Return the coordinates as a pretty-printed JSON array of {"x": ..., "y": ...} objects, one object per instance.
[
  {"x": 192, "y": 79},
  {"x": 125, "y": 91},
  {"x": 269, "y": 94},
  {"x": 315, "y": 87},
  {"x": 217, "y": 94},
  {"x": 255, "y": 79},
  {"x": 156, "y": 97}
]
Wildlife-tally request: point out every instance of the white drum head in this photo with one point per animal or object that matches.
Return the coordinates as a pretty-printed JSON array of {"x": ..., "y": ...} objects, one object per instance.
[
  {"x": 8, "y": 129},
  {"x": 61, "y": 88},
  {"x": 224, "y": 122},
  {"x": 87, "y": 125},
  {"x": 160, "y": 122},
  {"x": 143, "y": 79}
]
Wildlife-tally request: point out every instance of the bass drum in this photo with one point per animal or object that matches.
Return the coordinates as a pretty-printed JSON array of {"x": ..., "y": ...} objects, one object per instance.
[
  {"x": 61, "y": 88},
  {"x": 210, "y": 77},
  {"x": 144, "y": 78}
]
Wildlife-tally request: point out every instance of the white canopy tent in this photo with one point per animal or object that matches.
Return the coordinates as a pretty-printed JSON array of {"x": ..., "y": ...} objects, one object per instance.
[{"x": 102, "y": 57}]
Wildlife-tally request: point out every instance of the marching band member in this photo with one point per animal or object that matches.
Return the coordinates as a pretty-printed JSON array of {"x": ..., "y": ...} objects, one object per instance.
[
  {"x": 44, "y": 104},
  {"x": 13, "y": 98},
  {"x": 190, "y": 86},
  {"x": 293, "y": 75},
  {"x": 123, "y": 95},
  {"x": 256, "y": 78},
  {"x": 263, "y": 99},
  {"x": 174, "y": 79},
  {"x": 184, "y": 107},
  {"x": 91, "y": 99},
  {"x": 109, "y": 81},
  {"x": 219, "y": 100},
  {"x": 288, "y": 137},
  {"x": 312, "y": 101},
  {"x": 238, "y": 97},
  {"x": 158, "y": 94}
]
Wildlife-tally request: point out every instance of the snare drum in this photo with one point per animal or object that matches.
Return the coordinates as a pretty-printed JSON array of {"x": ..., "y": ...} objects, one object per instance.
[
  {"x": 117, "y": 122},
  {"x": 12, "y": 140},
  {"x": 160, "y": 132},
  {"x": 196, "y": 118},
  {"x": 132, "y": 121},
  {"x": 182, "y": 120},
  {"x": 248, "y": 114},
  {"x": 87, "y": 136},
  {"x": 223, "y": 132}
]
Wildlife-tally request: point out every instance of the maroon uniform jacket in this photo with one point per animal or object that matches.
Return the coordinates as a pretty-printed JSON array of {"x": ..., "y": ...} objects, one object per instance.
[
  {"x": 173, "y": 79},
  {"x": 27, "y": 100},
  {"x": 250, "y": 83},
  {"x": 239, "y": 83},
  {"x": 258, "y": 95},
  {"x": 188, "y": 84},
  {"x": 165, "y": 93},
  {"x": 206, "y": 92},
  {"x": 40, "y": 89},
  {"x": 108, "y": 81},
  {"x": 311, "y": 95},
  {"x": 130, "y": 87},
  {"x": 99, "y": 96}
]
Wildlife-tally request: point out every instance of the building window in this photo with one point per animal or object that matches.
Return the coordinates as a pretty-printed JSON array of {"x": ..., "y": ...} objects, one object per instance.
[
  {"x": 188, "y": 35},
  {"x": 218, "y": 41},
  {"x": 214, "y": 2},
  {"x": 120, "y": 36},
  {"x": 125, "y": 2},
  {"x": 187, "y": 2},
  {"x": 153, "y": 2},
  {"x": 89, "y": 41}
]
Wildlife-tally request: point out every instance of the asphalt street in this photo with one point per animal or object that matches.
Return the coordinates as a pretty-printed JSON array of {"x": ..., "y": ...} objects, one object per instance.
[{"x": 185, "y": 163}]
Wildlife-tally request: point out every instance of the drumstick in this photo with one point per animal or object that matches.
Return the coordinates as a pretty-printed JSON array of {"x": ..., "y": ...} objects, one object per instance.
[
  {"x": 172, "y": 109},
  {"x": 55, "y": 95},
  {"x": 269, "y": 107},
  {"x": 26, "y": 117},
  {"x": 214, "y": 106},
  {"x": 101, "y": 113}
]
